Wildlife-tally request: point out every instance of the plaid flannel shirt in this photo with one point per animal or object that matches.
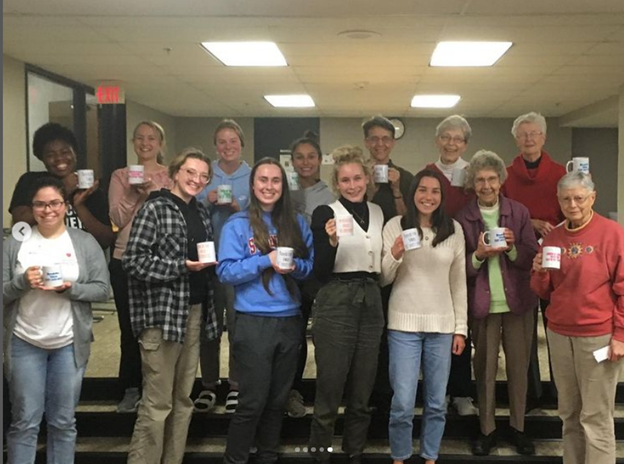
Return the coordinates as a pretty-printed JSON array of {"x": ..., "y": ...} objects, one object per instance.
[{"x": 158, "y": 278}]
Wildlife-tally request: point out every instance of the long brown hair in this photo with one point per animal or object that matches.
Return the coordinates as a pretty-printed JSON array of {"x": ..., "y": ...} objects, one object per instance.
[{"x": 283, "y": 218}]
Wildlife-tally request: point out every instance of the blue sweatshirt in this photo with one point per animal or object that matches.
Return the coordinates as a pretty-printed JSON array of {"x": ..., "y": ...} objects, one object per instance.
[
  {"x": 239, "y": 180},
  {"x": 241, "y": 265}
]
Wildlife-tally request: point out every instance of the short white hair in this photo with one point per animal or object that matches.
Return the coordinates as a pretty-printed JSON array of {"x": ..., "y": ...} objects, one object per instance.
[
  {"x": 531, "y": 118},
  {"x": 576, "y": 179}
]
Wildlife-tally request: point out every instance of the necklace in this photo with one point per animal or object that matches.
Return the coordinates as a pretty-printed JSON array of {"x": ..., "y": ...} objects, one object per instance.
[{"x": 361, "y": 220}]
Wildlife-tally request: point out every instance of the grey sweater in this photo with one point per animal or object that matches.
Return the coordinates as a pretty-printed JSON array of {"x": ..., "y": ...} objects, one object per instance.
[
  {"x": 307, "y": 200},
  {"x": 92, "y": 285}
]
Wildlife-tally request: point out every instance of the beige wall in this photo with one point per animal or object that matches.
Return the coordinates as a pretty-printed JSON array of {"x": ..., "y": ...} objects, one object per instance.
[
  {"x": 417, "y": 147},
  {"x": 135, "y": 113},
  {"x": 14, "y": 130},
  {"x": 199, "y": 132}
]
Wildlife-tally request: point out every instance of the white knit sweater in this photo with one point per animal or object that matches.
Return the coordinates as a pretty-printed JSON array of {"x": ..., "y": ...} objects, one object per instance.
[{"x": 429, "y": 292}]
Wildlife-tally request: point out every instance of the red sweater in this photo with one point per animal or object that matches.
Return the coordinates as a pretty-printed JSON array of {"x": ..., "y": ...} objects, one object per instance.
[
  {"x": 536, "y": 190},
  {"x": 587, "y": 293},
  {"x": 455, "y": 198}
]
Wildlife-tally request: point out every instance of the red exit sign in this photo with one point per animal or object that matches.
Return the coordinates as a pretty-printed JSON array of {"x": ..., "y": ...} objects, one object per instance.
[{"x": 110, "y": 95}]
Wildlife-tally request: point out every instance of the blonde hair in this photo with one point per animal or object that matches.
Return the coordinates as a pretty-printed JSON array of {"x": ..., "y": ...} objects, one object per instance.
[
  {"x": 348, "y": 154},
  {"x": 161, "y": 135},
  {"x": 185, "y": 154}
]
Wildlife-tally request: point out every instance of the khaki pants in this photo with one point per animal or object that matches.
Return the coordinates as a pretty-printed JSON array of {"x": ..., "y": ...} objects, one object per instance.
[
  {"x": 164, "y": 415},
  {"x": 516, "y": 332},
  {"x": 586, "y": 398}
]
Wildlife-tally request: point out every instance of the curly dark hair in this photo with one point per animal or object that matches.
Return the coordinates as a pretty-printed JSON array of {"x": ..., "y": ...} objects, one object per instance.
[
  {"x": 51, "y": 132},
  {"x": 44, "y": 182}
]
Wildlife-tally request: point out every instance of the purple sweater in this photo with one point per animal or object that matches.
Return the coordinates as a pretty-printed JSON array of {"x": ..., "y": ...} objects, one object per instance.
[{"x": 516, "y": 274}]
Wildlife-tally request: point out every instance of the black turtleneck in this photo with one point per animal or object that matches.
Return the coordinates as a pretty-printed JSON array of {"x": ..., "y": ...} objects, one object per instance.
[{"x": 324, "y": 253}]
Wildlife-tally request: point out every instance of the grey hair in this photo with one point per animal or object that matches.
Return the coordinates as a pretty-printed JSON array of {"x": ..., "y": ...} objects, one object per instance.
[
  {"x": 455, "y": 122},
  {"x": 484, "y": 159},
  {"x": 531, "y": 118},
  {"x": 576, "y": 179}
]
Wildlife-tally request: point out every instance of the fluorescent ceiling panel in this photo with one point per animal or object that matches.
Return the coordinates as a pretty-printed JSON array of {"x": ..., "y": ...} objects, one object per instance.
[
  {"x": 246, "y": 53},
  {"x": 435, "y": 101},
  {"x": 468, "y": 53},
  {"x": 290, "y": 101}
]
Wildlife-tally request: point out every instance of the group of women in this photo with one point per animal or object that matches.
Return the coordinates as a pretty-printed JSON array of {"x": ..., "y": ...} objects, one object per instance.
[{"x": 171, "y": 305}]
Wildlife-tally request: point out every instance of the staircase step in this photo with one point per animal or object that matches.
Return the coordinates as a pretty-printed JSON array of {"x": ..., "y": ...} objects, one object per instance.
[
  {"x": 100, "y": 419},
  {"x": 98, "y": 450},
  {"x": 107, "y": 388}
]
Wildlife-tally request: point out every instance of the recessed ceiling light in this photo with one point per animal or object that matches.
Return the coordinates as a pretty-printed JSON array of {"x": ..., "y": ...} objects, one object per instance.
[
  {"x": 468, "y": 53},
  {"x": 358, "y": 34},
  {"x": 246, "y": 53},
  {"x": 435, "y": 101},
  {"x": 290, "y": 101}
]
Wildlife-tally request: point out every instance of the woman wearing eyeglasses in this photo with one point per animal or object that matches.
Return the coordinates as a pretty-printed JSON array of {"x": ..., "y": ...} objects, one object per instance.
[
  {"x": 170, "y": 302},
  {"x": 500, "y": 300},
  {"x": 47, "y": 334},
  {"x": 452, "y": 136},
  {"x": 125, "y": 200},
  {"x": 586, "y": 314}
]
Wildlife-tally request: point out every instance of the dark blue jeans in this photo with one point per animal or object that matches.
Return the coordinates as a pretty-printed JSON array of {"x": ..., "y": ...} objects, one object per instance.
[
  {"x": 265, "y": 350},
  {"x": 348, "y": 322}
]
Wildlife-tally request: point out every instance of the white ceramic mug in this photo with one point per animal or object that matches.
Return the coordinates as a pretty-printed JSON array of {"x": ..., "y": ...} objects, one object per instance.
[
  {"x": 206, "y": 252},
  {"x": 380, "y": 173},
  {"x": 52, "y": 275},
  {"x": 579, "y": 164},
  {"x": 411, "y": 239},
  {"x": 495, "y": 238},
  {"x": 458, "y": 177},
  {"x": 551, "y": 257},
  {"x": 224, "y": 194},
  {"x": 136, "y": 173},
  {"x": 344, "y": 225},
  {"x": 285, "y": 257},
  {"x": 293, "y": 180},
  {"x": 85, "y": 178}
]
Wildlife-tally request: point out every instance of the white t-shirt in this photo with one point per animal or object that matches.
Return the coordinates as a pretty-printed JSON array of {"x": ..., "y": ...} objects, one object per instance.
[{"x": 45, "y": 317}]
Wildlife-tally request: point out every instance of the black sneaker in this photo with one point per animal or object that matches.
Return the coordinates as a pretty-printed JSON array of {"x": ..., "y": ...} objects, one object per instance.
[
  {"x": 484, "y": 444},
  {"x": 522, "y": 443}
]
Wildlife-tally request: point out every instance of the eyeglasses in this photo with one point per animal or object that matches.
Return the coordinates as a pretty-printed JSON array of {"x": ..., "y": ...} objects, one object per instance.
[
  {"x": 54, "y": 205},
  {"x": 456, "y": 140},
  {"x": 375, "y": 140},
  {"x": 489, "y": 180},
  {"x": 204, "y": 178},
  {"x": 529, "y": 135},
  {"x": 578, "y": 200}
]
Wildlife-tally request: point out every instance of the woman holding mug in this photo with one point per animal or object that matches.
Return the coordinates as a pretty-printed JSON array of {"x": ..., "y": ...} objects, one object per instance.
[
  {"x": 500, "y": 300},
  {"x": 267, "y": 304},
  {"x": 348, "y": 313},
  {"x": 47, "y": 336},
  {"x": 226, "y": 193},
  {"x": 427, "y": 319},
  {"x": 125, "y": 200},
  {"x": 312, "y": 192},
  {"x": 87, "y": 209},
  {"x": 171, "y": 301},
  {"x": 586, "y": 314}
]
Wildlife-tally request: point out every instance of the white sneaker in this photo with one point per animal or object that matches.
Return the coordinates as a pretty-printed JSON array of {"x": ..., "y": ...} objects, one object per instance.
[{"x": 464, "y": 406}]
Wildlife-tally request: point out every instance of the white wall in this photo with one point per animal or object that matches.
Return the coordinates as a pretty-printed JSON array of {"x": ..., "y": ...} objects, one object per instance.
[
  {"x": 135, "y": 113},
  {"x": 14, "y": 151}
]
